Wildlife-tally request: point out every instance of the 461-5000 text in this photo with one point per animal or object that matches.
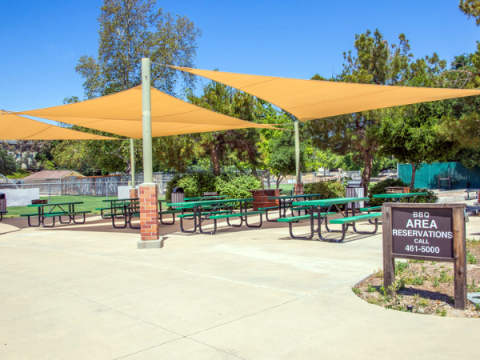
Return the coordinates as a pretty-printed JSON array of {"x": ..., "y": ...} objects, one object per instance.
[{"x": 423, "y": 249}]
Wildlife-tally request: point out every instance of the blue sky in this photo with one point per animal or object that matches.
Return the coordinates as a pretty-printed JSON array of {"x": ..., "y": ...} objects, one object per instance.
[{"x": 41, "y": 41}]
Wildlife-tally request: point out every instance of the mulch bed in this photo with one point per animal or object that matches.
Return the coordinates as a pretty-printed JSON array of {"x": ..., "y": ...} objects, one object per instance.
[{"x": 425, "y": 287}]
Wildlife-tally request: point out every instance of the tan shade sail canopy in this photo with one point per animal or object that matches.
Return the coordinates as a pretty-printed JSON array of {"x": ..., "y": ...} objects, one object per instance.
[
  {"x": 13, "y": 127},
  {"x": 121, "y": 113},
  {"x": 314, "y": 99}
]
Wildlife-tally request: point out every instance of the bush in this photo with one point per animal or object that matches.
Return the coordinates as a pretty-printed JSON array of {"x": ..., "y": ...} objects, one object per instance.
[
  {"x": 231, "y": 185},
  {"x": 327, "y": 189},
  {"x": 380, "y": 188},
  {"x": 193, "y": 184},
  {"x": 430, "y": 198},
  {"x": 236, "y": 187}
]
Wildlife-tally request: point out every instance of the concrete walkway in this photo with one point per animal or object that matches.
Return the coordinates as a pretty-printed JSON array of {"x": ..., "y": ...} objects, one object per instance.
[{"x": 86, "y": 292}]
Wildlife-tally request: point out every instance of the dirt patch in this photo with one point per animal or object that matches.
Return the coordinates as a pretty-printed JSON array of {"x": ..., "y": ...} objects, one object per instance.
[{"x": 425, "y": 287}]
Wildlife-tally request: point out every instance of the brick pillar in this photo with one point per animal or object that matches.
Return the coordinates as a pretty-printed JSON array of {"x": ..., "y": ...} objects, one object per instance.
[
  {"x": 298, "y": 188},
  {"x": 149, "y": 223},
  {"x": 133, "y": 193}
]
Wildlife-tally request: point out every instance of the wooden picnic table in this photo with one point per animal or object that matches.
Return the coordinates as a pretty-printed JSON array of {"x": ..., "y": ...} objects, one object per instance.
[
  {"x": 284, "y": 202},
  {"x": 198, "y": 214},
  {"x": 56, "y": 210},
  {"x": 399, "y": 196},
  {"x": 316, "y": 207}
]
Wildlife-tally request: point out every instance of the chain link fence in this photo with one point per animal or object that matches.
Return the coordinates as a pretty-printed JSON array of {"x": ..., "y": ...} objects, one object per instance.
[{"x": 89, "y": 186}]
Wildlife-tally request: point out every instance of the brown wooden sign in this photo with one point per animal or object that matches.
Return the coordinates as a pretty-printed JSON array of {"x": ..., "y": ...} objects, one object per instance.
[{"x": 432, "y": 232}]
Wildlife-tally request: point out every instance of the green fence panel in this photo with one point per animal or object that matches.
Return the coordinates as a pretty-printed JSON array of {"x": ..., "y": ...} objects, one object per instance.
[{"x": 428, "y": 174}]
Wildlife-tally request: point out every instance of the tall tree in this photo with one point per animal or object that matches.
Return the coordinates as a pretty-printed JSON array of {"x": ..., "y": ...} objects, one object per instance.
[
  {"x": 129, "y": 31},
  {"x": 471, "y": 8},
  {"x": 376, "y": 62},
  {"x": 231, "y": 146},
  {"x": 410, "y": 135}
]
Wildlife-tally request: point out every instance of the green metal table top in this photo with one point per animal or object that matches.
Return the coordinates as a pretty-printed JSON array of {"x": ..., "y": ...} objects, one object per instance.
[
  {"x": 328, "y": 202},
  {"x": 200, "y": 198},
  {"x": 292, "y": 196},
  {"x": 398, "y": 196},
  {"x": 55, "y": 204},
  {"x": 115, "y": 200},
  {"x": 208, "y": 202}
]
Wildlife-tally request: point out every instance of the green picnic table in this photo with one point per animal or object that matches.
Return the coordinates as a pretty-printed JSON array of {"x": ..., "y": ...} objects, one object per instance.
[
  {"x": 56, "y": 210},
  {"x": 200, "y": 214},
  {"x": 316, "y": 213},
  {"x": 202, "y": 198},
  {"x": 285, "y": 202},
  {"x": 124, "y": 209},
  {"x": 2, "y": 213},
  {"x": 399, "y": 196}
]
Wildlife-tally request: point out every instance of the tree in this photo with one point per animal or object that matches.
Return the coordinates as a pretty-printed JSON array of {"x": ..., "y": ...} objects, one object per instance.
[
  {"x": 129, "y": 31},
  {"x": 411, "y": 133},
  {"x": 376, "y": 62},
  {"x": 7, "y": 163},
  {"x": 410, "y": 136},
  {"x": 471, "y": 8},
  {"x": 230, "y": 146},
  {"x": 282, "y": 161}
]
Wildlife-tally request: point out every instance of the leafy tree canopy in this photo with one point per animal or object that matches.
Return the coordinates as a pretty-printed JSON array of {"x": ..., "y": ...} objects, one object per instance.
[{"x": 7, "y": 163}]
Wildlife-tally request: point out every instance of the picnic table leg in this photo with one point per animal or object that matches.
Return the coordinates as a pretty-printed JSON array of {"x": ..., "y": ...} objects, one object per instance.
[
  {"x": 49, "y": 226},
  {"x": 367, "y": 232},
  {"x": 269, "y": 220},
  {"x": 320, "y": 220},
  {"x": 124, "y": 221},
  {"x": 194, "y": 209},
  {"x": 312, "y": 225},
  {"x": 39, "y": 221},
  {"x": 253, "y": 226},
  {"x": 346, "y": 216}
]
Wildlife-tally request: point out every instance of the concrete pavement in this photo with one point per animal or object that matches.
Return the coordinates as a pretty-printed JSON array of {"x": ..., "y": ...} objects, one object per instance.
[{"x": 86, "y": 292}]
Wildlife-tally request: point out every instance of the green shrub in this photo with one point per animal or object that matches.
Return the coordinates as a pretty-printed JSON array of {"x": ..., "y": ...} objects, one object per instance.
[
  {"x": 236, "y": 187},
  {"x": 197, "y": 183},
  {"x": 430, "y": 198},
  {"x": 171, "y": 185},
  {"x": 327, "y": 189},
  {"x": 231, "y": 185},
  {"x": 380, "y": 188}
]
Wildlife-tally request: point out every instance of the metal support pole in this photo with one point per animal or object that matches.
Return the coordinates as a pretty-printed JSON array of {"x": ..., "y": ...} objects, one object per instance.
[
  {"x": 298, "y": 174},
  {"x": 147, "y": 122},
  {"x": 132, "y": 162}
]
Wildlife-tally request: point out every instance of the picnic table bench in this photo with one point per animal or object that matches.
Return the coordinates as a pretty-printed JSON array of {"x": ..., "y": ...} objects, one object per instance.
[
  {"x": 56, "y": 210},
  {"x": 2, "y": 213},
  {"x": 199, "y": 214},
  {"x": 346, "y": 221}
]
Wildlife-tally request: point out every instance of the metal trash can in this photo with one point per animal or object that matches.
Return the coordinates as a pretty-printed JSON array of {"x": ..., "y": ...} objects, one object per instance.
[
  {"x": 354, "y": 190},
  {"x": 3, "y": 202},
  {"x": 178, "y": 195}
]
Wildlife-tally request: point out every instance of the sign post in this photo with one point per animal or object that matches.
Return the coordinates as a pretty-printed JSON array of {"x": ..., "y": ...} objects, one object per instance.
[{"x": 432, "y": 232}]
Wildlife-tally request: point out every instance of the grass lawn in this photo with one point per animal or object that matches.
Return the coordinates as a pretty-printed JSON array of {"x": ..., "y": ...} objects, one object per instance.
[
  {"x": 90, "y": 204},
  {"x": 286, "y": 187}
]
